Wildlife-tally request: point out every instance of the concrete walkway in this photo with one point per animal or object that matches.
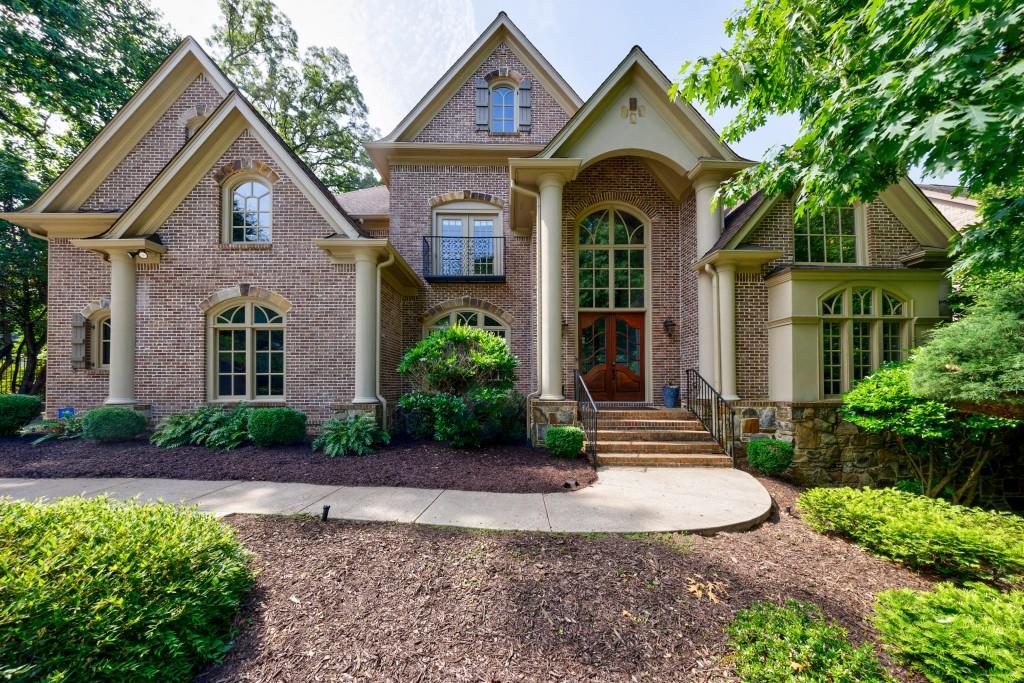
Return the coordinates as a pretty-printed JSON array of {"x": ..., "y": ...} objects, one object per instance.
[{"x": 623, "y": 500}]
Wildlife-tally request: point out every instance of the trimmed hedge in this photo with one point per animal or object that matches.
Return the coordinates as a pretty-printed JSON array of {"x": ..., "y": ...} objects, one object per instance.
[
  {"x": 794, "y": 642},
  {"x": 99, "y": 590},
  {"x": 925, "y": 533},
  {"x": 277, "y": 427},
  {"x": 770, "y": 456},
  {"x": 564, "y": 441},
  {"x": 16, "y": 411},
  {"x": 955, "y": 634},
  {"x": 111, "y": 423}
]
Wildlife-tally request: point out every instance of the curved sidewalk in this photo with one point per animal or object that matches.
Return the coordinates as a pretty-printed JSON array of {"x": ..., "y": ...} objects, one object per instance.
[{"x": 623, "y": 500}]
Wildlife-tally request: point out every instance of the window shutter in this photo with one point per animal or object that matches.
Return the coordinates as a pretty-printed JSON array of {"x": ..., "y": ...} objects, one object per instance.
[
  {"x": 482, "y": 95},
  {"x": 525, "y": 100},
  {"x": 78, "y": 341}
]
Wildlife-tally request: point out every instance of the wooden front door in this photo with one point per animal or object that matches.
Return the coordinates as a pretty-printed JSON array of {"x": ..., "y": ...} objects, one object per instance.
[{"x": 611, "y": 355}]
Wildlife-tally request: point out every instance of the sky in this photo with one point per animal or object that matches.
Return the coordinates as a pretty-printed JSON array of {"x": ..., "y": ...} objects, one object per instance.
[{"x": 399, "y": 48}]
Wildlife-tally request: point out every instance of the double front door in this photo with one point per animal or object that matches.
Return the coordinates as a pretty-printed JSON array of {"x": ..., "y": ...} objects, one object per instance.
[{"x": 611, "y": 355}]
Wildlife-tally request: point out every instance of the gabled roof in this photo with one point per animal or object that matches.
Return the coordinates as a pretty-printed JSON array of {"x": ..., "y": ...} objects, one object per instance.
[
  {"x": 234, "y": 115},
  {"x": 501, "y": 29},
  {"x": 90, "y": 168}
]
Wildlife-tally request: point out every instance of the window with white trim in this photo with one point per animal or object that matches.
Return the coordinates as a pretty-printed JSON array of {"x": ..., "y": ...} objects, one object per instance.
[
  {"x": 248, "y": 347},
  {"x": 467, "y": 245},
  {"x": 471, "y": 318},
  {"x": 100, "y": 351},
  {"x": 862, "y": 328},
  {"x": 250, "y": 214},
  {"x": 503, "y": 108},
  {"x": 828, "y": 236},
  {"x": 611, "y": 260}
]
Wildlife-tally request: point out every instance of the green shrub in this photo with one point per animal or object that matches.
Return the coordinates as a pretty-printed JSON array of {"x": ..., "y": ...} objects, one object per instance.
[
  {"x": 925, "y": 533},
  {"x": 112, "y": 423},
  {"x": 457, "y": 359},
  {"x": 770, "y": 456},
  {"x": 794, "y": 642},
  {"x": 564, "y": 441},
  {"x": 98, "y": 590},
  {"x": 482, "y": 417},
  {"x": 417, "y": 414},
  {"x": 354, "y": 435},
  {"x": 955, "y": 634},
  {"x": 16, "y": 411},
  {"x": 501, "y": 415},
  {"x": 214, "y": 428},
  {"x": 277, "y": 427},
  {"x": 47, "y": 430}
]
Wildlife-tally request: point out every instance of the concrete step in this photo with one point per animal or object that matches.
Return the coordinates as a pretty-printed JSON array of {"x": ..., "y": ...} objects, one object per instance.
[
  {"x": 698, "y": 447},
  {"x": 650, "y": 434},
  {"x": 662, "y": 460}
]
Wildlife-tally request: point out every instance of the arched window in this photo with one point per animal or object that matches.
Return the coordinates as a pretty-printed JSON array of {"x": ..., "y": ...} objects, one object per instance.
[
  {"x": 250, "y": 218},
  {"x": 471, "y": 318},
  {"x": 611, "y": 260},
  {"x": 100, "y": 347},
  {"x": 861, "y": 329},
  {"x": 503, "y": 108},
  {"x": 248, "y": 346}
]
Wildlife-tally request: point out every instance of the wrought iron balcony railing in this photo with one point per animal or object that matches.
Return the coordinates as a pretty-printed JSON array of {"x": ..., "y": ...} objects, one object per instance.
[{"x": 464, "y": 259}]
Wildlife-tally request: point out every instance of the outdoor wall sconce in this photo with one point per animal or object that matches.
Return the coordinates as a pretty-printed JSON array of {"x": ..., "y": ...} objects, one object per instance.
[
  {"x": 670, "y": 326},
  {"x": 140, "y": 254}
]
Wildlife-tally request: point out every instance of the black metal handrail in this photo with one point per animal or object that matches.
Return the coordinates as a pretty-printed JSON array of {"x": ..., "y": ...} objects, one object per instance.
[
  {"x": 587, "y": 411},
  {"x": 463, "y": 258},
  {"x": 714, "y": 412}
]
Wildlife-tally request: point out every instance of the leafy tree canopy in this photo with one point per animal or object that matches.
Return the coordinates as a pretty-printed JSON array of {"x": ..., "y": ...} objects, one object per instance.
[
  {"x": 311, "y": 98},
  {"x": 879, "y": 87}
]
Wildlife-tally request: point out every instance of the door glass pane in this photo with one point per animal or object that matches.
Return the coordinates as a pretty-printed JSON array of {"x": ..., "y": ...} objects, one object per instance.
[
  {"x": 627, "y": 345},
  {"x": 593, "y": 345},
  {"x": 450, "y": 253},
  {"x": 483, "y": 246}
]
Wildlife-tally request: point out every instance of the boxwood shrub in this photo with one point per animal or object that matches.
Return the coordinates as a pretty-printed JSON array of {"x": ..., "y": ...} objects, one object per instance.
[
  {"x": 16, "y": 411},
  {"x": 277, "y": 427},
  {"x": 974, "y": 633},
  {"x": 794, "y": 642},
  {"x": 925, "y": 533},
  {"x": 770, "y": 456},
  {"x": 112, "y": 423},
  {"x": 98, "y": 590},
  {"x": 564, "y": 441}
]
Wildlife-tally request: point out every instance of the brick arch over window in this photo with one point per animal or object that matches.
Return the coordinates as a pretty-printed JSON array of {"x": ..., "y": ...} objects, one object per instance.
[
  {"x": 248, "y": 292},
  {"x": 249, "y": 166},
  {"x": 637, "y": 200},
  {"x": 466, "y": 302},
  {"x": 466, "y": 195}
]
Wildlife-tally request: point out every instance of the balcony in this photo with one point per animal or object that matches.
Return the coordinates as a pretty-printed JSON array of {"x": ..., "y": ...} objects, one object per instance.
[{"x": 464, "y": 259}]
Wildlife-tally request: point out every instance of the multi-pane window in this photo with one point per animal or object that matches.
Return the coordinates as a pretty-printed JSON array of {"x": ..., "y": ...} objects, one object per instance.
[
  {"x": 503, "y": 109},
  {"x": 466, "y": 245},
  {"x": 862, "y": 328},
  {"x": 248, "y": 341},
  {"x": 611, "y": 264},
  {"x": 471, "y": 318},
  {"x": 828, "y": 236},
  {"x": 100, "y": 345},
  {"x": 250, "y": 212}
]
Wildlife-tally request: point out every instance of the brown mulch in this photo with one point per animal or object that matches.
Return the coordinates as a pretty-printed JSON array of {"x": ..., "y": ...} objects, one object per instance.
[
  {"x": 343, "y": 601},
  {"x": 506, "y": 469}
]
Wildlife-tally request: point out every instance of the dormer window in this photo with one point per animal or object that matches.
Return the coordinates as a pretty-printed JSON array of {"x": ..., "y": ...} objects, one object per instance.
[{"x": 503, "y": 109}]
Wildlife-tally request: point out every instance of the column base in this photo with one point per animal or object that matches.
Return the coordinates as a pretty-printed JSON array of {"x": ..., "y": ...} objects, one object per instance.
[
  {"x": 357, "y": 407},
  {"x": 545, "y": 412}
]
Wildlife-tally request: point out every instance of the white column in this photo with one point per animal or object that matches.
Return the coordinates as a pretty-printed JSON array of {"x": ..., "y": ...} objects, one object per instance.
[
  {"x": 550, "y": 186},
  {"x": 727, "y": 330},
  {"x": 709, "y": 229},
  {"x": 366, "y": 327},
  {"x": 122, "y": 328}
]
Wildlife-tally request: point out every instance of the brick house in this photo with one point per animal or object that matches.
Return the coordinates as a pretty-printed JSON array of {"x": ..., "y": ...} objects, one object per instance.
[{"x": 195, "y": 259}]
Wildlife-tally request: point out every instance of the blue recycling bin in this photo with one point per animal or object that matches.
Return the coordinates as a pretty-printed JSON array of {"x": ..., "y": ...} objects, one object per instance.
[{"x": 670, "y": 395}]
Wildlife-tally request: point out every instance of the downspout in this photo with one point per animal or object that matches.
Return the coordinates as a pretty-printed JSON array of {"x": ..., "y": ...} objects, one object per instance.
[
  {"x": 383, "y": 401},
  {"x": 717, "y": 346}
]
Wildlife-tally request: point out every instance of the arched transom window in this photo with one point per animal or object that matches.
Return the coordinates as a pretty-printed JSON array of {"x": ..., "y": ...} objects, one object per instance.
[
  {"x": 861, "y": 329},
  {"x": 471, "y": 318},
  {"x": 611, "y": 262},
  {"x": 250, "y": 212},
  {"x": 248, "y": 346}
]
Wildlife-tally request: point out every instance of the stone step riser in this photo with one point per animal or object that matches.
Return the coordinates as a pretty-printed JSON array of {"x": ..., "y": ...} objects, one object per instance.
[
  {"x": 675, "y": 447},
  {"x": 651, "y": 435},
  {"x": 653, "y": 460}
]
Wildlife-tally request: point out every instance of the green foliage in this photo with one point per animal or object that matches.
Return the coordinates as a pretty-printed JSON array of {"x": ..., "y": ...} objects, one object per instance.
[
  {"x": 458, "y": 359},
  {"x": 98, "y": 590},
  {"x": 48, "y": 430},
  {"x": 770, "y": 456},
  {"x": 277, "y": 427},
  {"x": 955, "y": 634},
  {"x": 482, "y": 417},
  {"x": 312, "y": 99},
  {"x": 16, "y": 411},
  {"x": 980, "y": 357},
  {"x": 945, "y": 448},
  {"x": 794, "y": 642},
  {"x": 214, "y": 428},
  {"x": 354, "y": 435},
  {"x": 112, "y": 423},
  {"x": 418, "y": 413},
  {"x": 924, "y": 533},
  {"x": 564, "y": 441},
  {"x": 879, "y": 87}
]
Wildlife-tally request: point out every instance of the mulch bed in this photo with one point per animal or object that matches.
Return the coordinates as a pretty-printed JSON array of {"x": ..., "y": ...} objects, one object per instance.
[
  {"x": 507, "y": 469},
  {"x": 342, "y": 601}
]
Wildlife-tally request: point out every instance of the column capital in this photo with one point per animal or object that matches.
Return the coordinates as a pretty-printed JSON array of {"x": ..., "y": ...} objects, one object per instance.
[
  {"x": 714, "y": 171},
  {"x": 546, "y": 180},
  {"x": 133, "y": 248},
  {"x": 531, "y": 171}
]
